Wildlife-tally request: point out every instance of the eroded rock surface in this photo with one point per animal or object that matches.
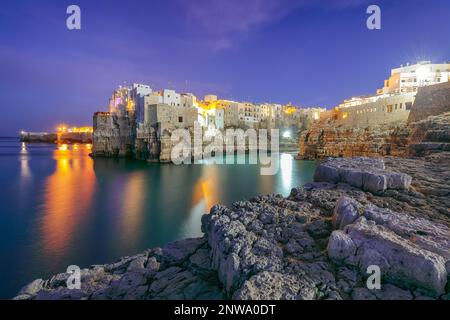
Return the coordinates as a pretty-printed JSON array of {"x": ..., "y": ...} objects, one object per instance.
[{"x": 368, "y": 174}]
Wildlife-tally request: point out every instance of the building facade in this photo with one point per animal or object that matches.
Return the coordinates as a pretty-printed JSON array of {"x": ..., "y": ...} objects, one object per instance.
[
  {"x": 394, "y": 101},
  {"x": 410, "y": 78}
]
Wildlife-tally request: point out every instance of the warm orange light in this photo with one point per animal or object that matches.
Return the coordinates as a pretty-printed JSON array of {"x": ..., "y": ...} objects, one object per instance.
[
  {"x": 130, "y": 105},
  {"x": 290, "y": 110},
  {"x": 81, "y": 129},
  {"x": 63, "y": 147},
  {"x": 345, "y": 115}
]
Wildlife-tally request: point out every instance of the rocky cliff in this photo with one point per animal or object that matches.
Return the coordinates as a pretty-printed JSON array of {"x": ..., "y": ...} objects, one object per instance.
[
  {"x": 315, "y": 244},
  {"x": 398, "y": 139},
  {"x": 114, "y": 135}
]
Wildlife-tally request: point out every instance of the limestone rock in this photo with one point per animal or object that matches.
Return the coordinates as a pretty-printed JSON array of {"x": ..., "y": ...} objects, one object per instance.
[{"x": 366, "y": 173}]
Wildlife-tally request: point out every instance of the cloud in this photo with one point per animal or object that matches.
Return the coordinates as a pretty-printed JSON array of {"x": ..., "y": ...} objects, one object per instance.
[{"x": 222, "y": 21}]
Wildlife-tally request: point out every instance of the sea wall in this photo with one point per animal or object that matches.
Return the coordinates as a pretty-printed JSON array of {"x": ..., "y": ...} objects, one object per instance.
[
  {"x": 314, "y": 244},
  {"x": 68, "y": 137},
  {"x": 37, "y": 137}
]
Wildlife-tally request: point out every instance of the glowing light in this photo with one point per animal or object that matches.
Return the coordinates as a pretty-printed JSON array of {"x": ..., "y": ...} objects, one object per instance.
[
  {"x": 286, "y": 170},
  {"x": 290, "y": 110},
  {"x": 130, "y": 105},
  {"x": 316, "y": 116},
  {"x": 63, "y": 147},
  {"x": 68, "y": 195},
  {"x": 423, "y": 73},
  {"x": 89, "y": 146},
  {"x": 81, "y": 130},
  {"x": 287, "y": 134},
  {"x": 345, "y": 115}
]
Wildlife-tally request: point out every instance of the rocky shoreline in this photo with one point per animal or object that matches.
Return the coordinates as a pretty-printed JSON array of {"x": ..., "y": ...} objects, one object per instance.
[{"x": 314, "y": 244}]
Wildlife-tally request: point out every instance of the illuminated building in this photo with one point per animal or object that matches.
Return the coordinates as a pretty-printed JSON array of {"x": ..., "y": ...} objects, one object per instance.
[
  {"x": 394, "y": 101},
  {"x": 411, "y": 77}
]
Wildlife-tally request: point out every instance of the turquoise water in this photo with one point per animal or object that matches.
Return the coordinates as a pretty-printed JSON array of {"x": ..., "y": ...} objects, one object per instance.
[{"x": 60, "y": 207}]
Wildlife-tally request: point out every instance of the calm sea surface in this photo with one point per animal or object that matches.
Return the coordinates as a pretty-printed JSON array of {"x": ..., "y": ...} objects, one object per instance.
[{"x": 59, "y": 207}]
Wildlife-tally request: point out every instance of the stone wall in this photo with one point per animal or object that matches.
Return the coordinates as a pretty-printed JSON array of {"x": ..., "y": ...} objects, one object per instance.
[
  {"x": 383, "y": 111},
  {"x": 170, "y": 117},
  {"x": 431, "y": 101}
]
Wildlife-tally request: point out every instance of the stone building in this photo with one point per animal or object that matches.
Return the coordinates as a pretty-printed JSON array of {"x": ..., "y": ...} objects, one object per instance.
[
  {"x": 394, "y": 101},
  {"x": 384, "y": 109},
  {"x": 410, "y": 78},
  {"x": 169, "y": 116}
]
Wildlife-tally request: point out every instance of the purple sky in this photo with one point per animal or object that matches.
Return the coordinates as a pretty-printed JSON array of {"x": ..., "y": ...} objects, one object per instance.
[{"x": 314, "y": 52}]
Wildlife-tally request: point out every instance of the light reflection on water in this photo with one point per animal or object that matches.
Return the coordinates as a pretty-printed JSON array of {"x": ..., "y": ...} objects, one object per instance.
[
  {"x": 68, "y": 194},
  {"x": 61, "y": 207}
]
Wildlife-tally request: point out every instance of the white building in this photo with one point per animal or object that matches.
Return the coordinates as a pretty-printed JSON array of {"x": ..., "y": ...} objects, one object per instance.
[
  {"x": 171, "y": 97},
  {"x": 138, "y": 93},
  {"x": 411, "y": 77}
]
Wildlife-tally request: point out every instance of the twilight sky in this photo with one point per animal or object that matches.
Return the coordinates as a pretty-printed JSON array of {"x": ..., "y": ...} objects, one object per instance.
[{"x": 308, "y": 52}]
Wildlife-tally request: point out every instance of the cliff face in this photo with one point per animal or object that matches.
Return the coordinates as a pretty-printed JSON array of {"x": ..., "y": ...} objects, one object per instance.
[
  {"x": 114, "y": 135},
  {"x": 327, "y": 140},
  {"x": 398, "y": 139}
]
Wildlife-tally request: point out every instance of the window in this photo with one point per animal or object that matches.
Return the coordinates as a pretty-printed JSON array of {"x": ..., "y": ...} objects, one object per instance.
[
  {"x": 180, "y": 119},
  {"x": 408, "y": 105},
  {"x": 389, "y": 108}
]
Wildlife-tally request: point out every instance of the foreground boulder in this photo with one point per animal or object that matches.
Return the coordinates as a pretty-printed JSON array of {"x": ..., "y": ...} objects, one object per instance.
[
  {"x": 407, "y": 250},
  {"x": 368, "y": 174}
]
